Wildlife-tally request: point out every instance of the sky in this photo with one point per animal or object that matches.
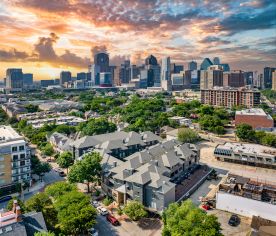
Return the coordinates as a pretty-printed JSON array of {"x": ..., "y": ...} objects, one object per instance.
[{"x": 44, "y": 37}]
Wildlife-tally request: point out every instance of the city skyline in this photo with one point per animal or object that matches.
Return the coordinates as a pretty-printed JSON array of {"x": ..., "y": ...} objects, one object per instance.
[{"x": 46, "y": 37}]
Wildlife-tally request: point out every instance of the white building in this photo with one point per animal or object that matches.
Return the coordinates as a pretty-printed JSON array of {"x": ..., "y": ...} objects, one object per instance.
[{"x": 166, "y": 68}]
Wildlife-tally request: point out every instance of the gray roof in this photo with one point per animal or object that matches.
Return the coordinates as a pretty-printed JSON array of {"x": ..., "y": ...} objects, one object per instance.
[{"x": 31, "y": 223}]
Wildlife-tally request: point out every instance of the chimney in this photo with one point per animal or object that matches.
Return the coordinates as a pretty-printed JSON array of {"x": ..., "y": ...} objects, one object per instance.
[
  {"x": 15, "y": 204},
  {"x": 114, "y": 163},
  {"x": 18, "y": 214}
]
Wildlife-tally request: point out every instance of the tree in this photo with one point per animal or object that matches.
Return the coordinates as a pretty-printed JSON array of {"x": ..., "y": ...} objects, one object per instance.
[
  {"x": 269, "y": 139},
  {"x": 135, "y": 210},
  {"x": 65, "y": 160},
  {"x": 60, "y": 188},
  {"x": 75, "y": 213},
  {"x": 87, "y": 170},
  {"x": 19, "y": 202},
  {"x": 98, "y": 126},
  {"x": 41, "y": 168},
  {"x": 187, "y": 135},
  {"x": 186, "y": 219},
  {"x": 47, "y": 150},
  {"x": 44, "y": 234},
  {"x": 37, "y": 202},
  {"x": 245, "y": 132},
  {"x": 220, "y": 130},
  {"x": 65, "y": 129}
]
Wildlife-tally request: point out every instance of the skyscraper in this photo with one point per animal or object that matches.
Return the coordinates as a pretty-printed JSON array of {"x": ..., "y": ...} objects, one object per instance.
[
  {"x": 153, "y": 71},
  {"x": 274, "y": 80},
  {"x": 14, "y": 79},
  {"x": 102, "y": 60},
  {"x": 135, "y": 71},
  {"x": 95, "y": 74},
  {"x": 216, "y": 61},
  {"x": 175, "y": 69},
  {"x": 205, "y": 64},
  {"x": 105, "y": 79},
  {"x": 125, "y": 72},
  {"x": 27, "y": 80},
  {"x": 211, "y": 77},
  {"x": 65, "y": 77},
  {"x": 268, "y": 76},
  {"x": 234, "y": 79},
  {"x": 192, "y": 65},
  {"x": 248, "y": 77},
  {"x": 166, "y": 68},
  {"x": 81, "y": 76}
]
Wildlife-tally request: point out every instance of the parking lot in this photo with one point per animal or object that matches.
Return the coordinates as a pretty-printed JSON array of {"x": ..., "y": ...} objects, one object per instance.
[{"x": 223, "y": 217}]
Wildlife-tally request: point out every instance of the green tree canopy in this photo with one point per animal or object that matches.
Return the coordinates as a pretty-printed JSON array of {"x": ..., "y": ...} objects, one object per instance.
[
  {"x": 37, "y": 202},
  {"x": 44, "y": 234},
  {"x": 135, "y": 210},
  {"x": 75, "y": 213},
  {"x": 186, "y": 219},
  {"x": 65, "y": 160},
  {"x": 60, "y": 188},
  {"x": 87, "y": 170},
  {"x": 47, "y": 149},
  {"x": 187, "y": 135},
  {"x": 19, "y": 202},
  {"x": 245, "y": 132},
  {"x": 97, "y": 126}
]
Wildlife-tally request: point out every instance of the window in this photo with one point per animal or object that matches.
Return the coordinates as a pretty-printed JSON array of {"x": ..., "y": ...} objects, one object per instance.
[
  {"x": 22, "y": 163},
  {"x": 14, "y": 149},
  {"x": 15, "y": 157},
  {"x": 21, "y": 148},
  {"x": 22, "y": 156}
]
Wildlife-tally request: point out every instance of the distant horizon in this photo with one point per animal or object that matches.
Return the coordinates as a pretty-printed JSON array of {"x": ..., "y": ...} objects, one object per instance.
[{"x": 46, "y": 37}]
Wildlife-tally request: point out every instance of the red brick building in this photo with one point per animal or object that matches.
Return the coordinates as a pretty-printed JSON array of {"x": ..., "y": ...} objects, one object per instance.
[{"x": 256, "y": 117}]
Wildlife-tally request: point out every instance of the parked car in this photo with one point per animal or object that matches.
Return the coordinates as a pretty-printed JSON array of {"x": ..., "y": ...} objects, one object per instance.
[
  {"x": 112, "y": 220},
  {"x": 234, "y": 220},
  {"x": 93, "y": 232},
  {"x": 57, "y": 170},
  {"x": 206, "y": 207},
  {"x": 62, "y": 174},
  {"x": 95, "y": 203},
  {"x": 103, "y": 211},
  {"x": 5, "y": 199}
]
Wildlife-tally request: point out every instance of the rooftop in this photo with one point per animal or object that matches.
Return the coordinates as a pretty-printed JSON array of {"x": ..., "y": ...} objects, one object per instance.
[
  {"x": 253, "y": 112},
  {"x": 248, "y": 148},
  {"x": 7, "y": 133}
]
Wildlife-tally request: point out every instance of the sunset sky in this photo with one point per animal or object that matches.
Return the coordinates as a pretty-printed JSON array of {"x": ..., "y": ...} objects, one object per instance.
[{"x": 46, "y": 36}]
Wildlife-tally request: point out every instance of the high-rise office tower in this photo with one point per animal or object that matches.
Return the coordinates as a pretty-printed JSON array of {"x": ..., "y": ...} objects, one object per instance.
[
  {"x": 27, "y": 80},
  {"x": 134, "y": 72},
  {"x": 268, "y": 76},
  {"x": 153, "y": 71},
  {"x": 248, "y": 77},
  {"x": 205, "y": 64},
  {"x": 234, "y": 79},
  {"x": 166, "y": 68},
  {"x": 105, "y": 79},
  {"x": 274, "y": 80},
  {"x": 95, "y": 74},
  {"x": 216, "y": 61},
  {"x": 176, "y": 69},
  {"x": 81, "y": 76},
  {"x": 14, "y": 79},
  {"x": 102, "y": 60},
  {"x": 65, "y": 77},
  {"x": 125, "y": 72},
  {"x": 192, "y": 65},
  {"x": 211, "y": 77}
]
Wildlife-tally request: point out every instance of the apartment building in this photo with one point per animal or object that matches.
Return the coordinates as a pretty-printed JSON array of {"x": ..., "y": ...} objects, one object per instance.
[
  {"x": 247, "y": 154},
  {"x": 119, "y": 144},
  {"x": 229, "y": 97},
  {"x": 148, "y": 175},
  {"x": 15, "y": 162}
]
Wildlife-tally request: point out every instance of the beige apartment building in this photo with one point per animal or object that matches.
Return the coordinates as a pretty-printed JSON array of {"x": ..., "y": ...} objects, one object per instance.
[
  {"x": 274, "y": 80},
  {"x": 15, "y": 162},
  {"x": 229, "y": 97}
]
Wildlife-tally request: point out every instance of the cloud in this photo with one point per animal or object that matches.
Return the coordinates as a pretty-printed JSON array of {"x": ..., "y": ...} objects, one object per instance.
[
  {"x": 13, "y": 55},
  {"x": 214, "y": 39}
]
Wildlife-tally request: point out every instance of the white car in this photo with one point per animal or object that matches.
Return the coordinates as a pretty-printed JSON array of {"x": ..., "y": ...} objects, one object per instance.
[
  {"x": 103, "y": 211},
  {"x": 93, "y": 232},
  {"x": 95, "y": 203}
]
